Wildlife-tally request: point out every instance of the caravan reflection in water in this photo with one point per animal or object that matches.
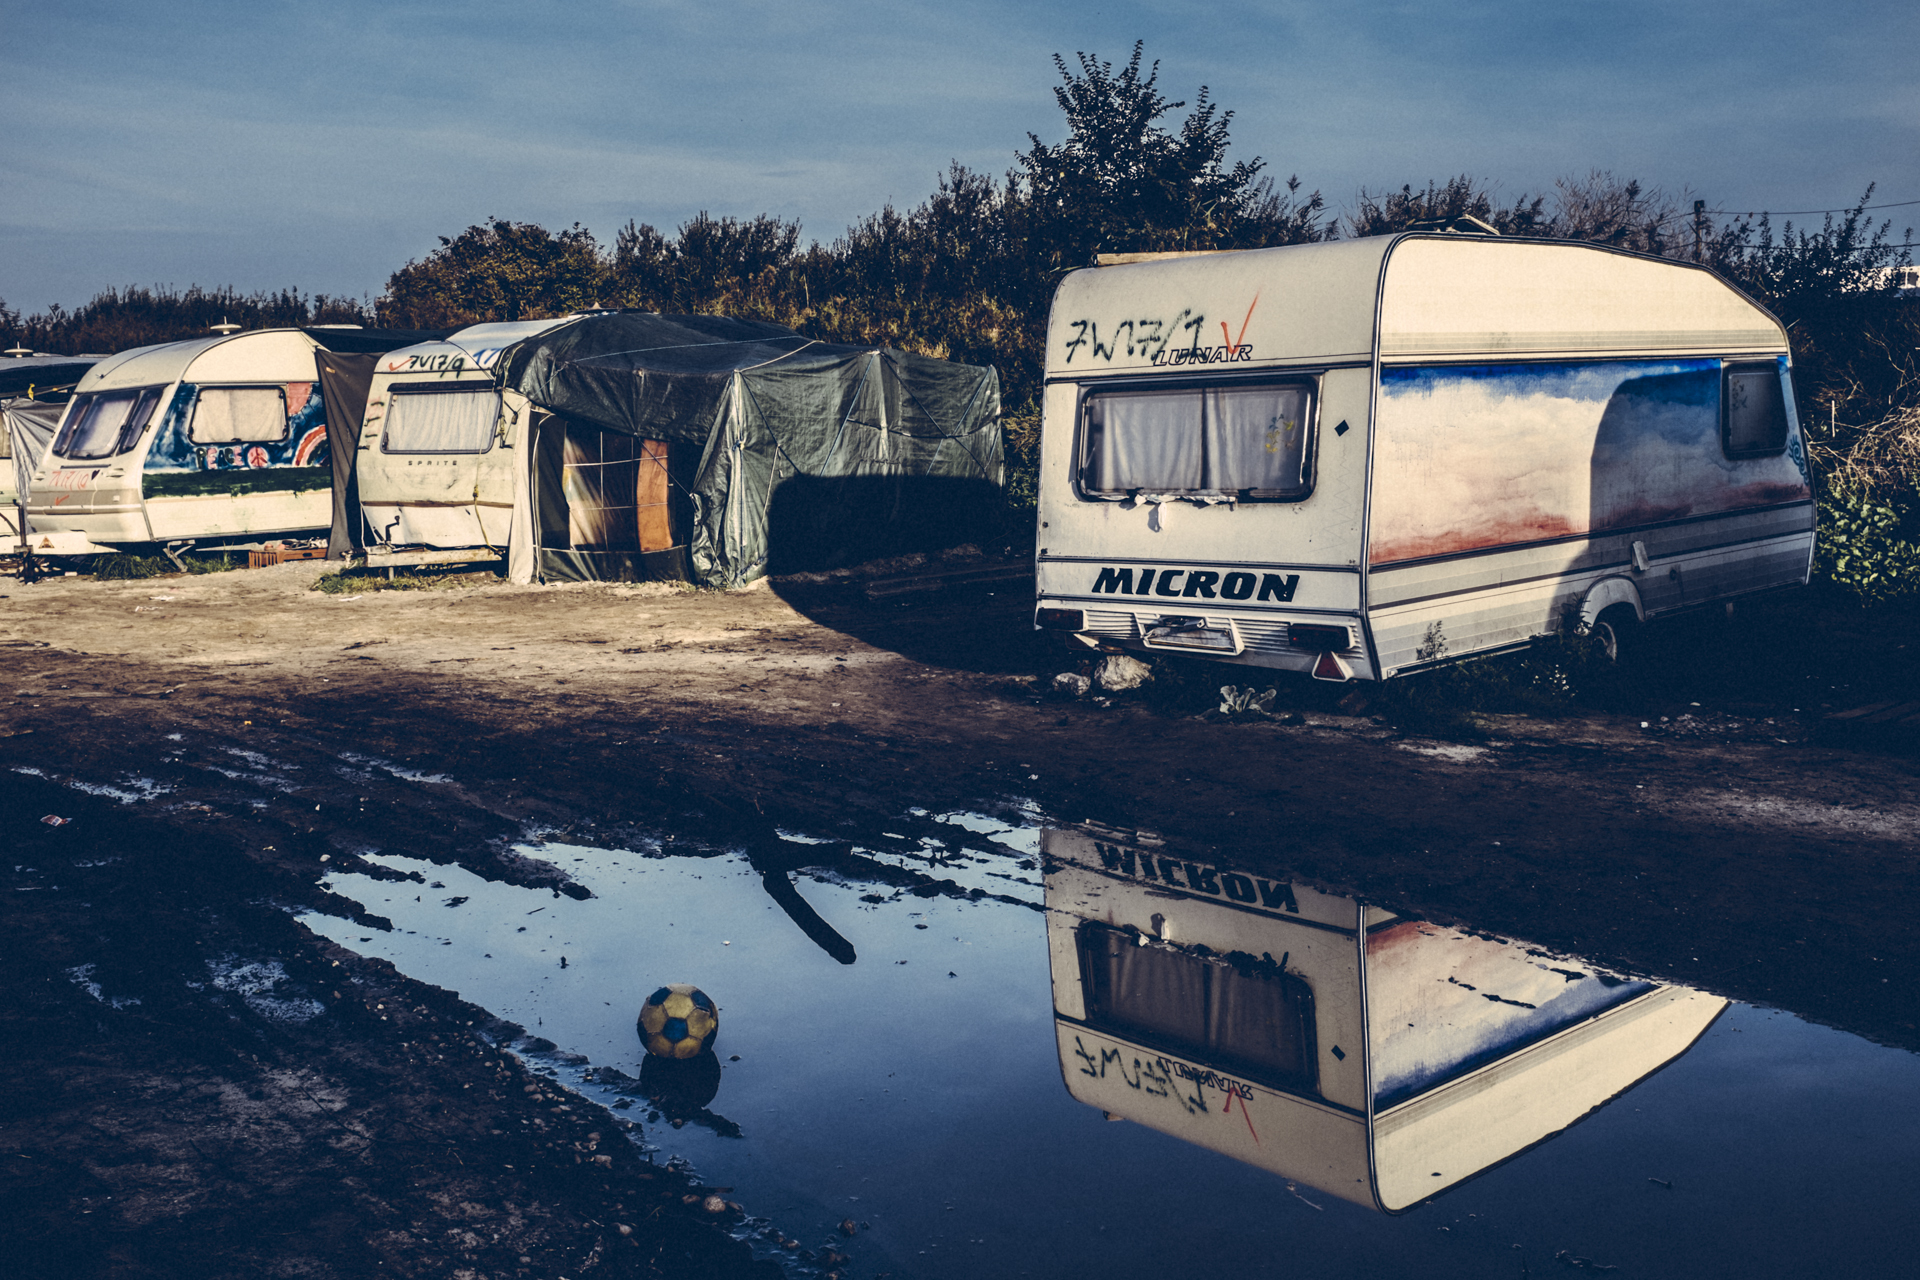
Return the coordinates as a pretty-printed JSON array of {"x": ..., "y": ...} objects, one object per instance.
[{"x": 1378, "y": 1058}]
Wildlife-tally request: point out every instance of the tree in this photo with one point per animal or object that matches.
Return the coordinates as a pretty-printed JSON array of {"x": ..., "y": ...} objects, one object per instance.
[
  {"x": 1122, "y": 182},
  {"x": 712, "y": 264},
  {"x": 1598, "y": 208},
  {"x": 1445, "y": 205},
  {"x": 120, "y": 319},
  {"x": 497, "y": 271},
  {"x": 1601, "y": 209},
  {"x": 1837, "y": 291}
]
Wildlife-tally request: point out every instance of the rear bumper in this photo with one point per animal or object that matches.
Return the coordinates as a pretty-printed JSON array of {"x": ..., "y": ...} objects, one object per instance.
[
  {"x": 1264, "y": 639},
  {"x": 68, "y": 542}
]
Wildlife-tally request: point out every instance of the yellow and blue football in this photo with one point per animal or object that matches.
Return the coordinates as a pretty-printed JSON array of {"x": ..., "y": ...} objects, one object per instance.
[{"x": 678, "y": 1021}]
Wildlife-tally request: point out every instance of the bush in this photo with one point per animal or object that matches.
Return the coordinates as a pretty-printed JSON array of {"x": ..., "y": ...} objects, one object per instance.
[
  {"x": 122, "y": 567},
  {"x": 357, "y": 581},
  {"x": 1868, "y": 544}
]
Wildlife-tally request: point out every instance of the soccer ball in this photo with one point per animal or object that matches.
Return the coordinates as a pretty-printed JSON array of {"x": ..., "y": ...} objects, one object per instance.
[{"x": 678, "y": 1022}]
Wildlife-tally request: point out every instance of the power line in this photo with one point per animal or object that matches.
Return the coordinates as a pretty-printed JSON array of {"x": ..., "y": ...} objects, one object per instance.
[{"x": 1801, "y": 213}]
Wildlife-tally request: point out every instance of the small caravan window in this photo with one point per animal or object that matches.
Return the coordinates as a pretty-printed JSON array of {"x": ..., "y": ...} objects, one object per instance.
[
  {"x": 239, "y": 415},
  {"x": 1252, "y": 441},
  {"x": 1247, "y": 1016},
  {"x": 104, "y": 423},
  {"x": 1753, "y": 411},
  {"x": 452, "y": 418}
]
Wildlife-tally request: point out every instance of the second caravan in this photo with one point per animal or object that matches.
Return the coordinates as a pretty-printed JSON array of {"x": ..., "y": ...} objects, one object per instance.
[{"x": 438, "y": 443}]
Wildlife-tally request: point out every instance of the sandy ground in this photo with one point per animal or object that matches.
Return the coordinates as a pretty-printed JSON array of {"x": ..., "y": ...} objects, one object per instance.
[{"x": 281, "y": 726}]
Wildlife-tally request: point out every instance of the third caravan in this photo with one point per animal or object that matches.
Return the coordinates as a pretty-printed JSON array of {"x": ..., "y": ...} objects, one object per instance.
[{"x": 1360, "y": 458}]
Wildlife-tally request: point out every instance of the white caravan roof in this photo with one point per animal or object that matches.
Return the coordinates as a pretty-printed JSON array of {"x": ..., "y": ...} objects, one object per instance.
[
  {"x": 1412, "y": 296},
  {"x": 478, "y": 346},
  {"x": 263, "y": 355}
]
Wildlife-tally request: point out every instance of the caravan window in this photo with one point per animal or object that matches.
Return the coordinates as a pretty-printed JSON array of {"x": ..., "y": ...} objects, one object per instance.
[
  {"x": 1753, "y": 411},
  {"x": 239, "y": 415},
  {"x": 1250, "y": 442},
  {"x": 1250, "y": 1017},
  {"x": 449, "y": 418},
  {"x": 104, "y": 423}
]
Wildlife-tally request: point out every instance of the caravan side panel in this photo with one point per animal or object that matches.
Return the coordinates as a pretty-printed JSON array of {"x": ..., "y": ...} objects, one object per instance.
[
  {"x": 1552, "y": 415},
  {"x": 1505, "y": 491},
  {"x": 242, "y": 450}
]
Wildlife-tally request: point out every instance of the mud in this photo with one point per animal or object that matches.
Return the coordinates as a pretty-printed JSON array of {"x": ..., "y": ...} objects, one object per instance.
[{"x": 241, "y": 735}]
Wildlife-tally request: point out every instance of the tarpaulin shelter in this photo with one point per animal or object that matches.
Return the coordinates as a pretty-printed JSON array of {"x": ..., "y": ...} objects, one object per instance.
[
  {"x": 33, "y": 377},
  {"x": 28, "y": 427},
  {"x": 33, "y": 390},
  {"x": 718, "y": 450}
]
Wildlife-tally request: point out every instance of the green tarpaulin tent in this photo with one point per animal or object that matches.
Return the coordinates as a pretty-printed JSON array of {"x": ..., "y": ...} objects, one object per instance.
[{"x": 782, "y": 453}]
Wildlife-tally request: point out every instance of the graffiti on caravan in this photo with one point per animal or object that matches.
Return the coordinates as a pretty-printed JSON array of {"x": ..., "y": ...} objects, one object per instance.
[
  {"x": 438, "y": 362},
  {"x": 1160, "y": 340},
  {"x": 1196, "y": 584},
  {"x": 1157, "y": 339},
  {"x": 1197, "y": 878}
]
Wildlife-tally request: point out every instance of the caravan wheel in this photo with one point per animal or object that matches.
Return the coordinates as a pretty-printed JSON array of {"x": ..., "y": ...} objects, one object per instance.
[{"x": 1616, "y": 629}]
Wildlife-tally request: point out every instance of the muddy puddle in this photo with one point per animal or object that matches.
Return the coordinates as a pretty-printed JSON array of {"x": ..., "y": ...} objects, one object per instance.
[{"x": 993, "y": 1048}]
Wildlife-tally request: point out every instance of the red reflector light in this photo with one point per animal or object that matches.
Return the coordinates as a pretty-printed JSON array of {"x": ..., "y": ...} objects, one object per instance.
[
  {"x": 1315, "y": 635},
  {"x": 1060, "y": 619},
  {"x": 1330, "y": 668}
]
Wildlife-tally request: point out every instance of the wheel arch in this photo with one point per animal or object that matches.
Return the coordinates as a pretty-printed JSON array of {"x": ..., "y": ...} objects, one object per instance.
[{"x": 1605, "y": 594}]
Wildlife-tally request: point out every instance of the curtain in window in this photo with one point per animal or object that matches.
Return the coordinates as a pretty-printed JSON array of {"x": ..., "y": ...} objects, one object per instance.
[
  {"x": 1224, "y": 440},
  {"x": 441, "y": 422},
  {"x": 1221, "y": 1016},
  {"x": 1259, "y": 1020},
  {"x": 1148, "y": 442},
  {"x": 239, "y": 415},
  {"x": 1256, "y": 438},
  {"x": 1148, "y": 988}
]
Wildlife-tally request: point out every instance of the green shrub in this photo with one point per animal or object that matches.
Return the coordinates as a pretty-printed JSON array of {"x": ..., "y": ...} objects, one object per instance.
[
  {"x": 1867, "y": 544},
  {"x": 359, "y": 580},
  {"x": 123, "y": 566}
]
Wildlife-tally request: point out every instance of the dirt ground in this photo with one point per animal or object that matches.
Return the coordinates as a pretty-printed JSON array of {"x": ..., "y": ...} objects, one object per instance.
[{"x": 241, "y": 732}]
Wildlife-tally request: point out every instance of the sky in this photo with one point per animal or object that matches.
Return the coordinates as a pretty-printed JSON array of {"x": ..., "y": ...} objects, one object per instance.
[{"x": 264, "y": 144}]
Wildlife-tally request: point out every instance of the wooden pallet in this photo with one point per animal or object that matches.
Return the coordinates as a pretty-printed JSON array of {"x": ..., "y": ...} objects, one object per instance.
[{"x": 278, "y": 555}]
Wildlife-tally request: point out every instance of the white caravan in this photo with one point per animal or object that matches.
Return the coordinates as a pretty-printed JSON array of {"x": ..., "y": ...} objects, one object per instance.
[
  {"x": 1361, "y": 458},
  {"x": 438, "y": 447},
  {"x": 217, "y": 440},
  {"x": 1378, "y": 1058}
]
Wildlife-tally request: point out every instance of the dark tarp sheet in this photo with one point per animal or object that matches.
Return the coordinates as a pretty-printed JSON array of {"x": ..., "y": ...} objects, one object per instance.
[
  {"x": 809, "y": 454},
  {"x": 40, "y": 374},
  {"x": 344, "y": 383}
]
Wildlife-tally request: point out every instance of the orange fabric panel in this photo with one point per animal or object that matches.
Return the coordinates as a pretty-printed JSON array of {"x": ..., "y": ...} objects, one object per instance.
[{"x": 650, "y": 497}]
